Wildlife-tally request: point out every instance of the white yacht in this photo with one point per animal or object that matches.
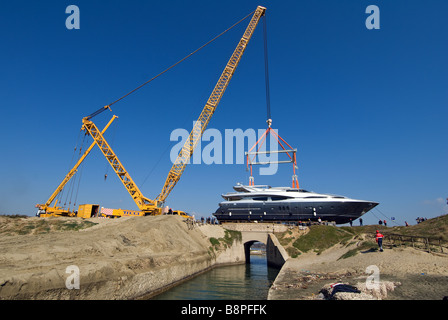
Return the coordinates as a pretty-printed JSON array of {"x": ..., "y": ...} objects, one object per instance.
[{"x": 282, "y": 204}]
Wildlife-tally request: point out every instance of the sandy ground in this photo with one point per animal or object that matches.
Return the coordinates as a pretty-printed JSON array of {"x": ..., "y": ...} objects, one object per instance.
[
  {"x": 111, "y": 249},
  {"x": 417, "y": 275},
  {"x": 33, "y": 265}
]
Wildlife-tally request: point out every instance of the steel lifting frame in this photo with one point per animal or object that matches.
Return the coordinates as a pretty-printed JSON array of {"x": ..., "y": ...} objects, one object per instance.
[{"x": 261, "y": 140}]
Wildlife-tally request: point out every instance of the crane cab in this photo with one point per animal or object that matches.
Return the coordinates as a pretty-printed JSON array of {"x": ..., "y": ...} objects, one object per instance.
[{"x": 87, "y": 211}]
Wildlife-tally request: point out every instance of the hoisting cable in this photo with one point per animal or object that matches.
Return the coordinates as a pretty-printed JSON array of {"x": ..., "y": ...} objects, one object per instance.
[
  {"x": 79, "y": 182},
  {"x": 161, "y": 73},
  {"x": 59, "y": 197},
  {"x": 266, "y": 70},
  {"x": 387, "y": 217},
  {"x": 72, "y": 182}
]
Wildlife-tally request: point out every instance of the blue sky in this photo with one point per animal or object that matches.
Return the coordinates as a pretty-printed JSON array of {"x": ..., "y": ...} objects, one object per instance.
[{"x": 366, "y": 109}]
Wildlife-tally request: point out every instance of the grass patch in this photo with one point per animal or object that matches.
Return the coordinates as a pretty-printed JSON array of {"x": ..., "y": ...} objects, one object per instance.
[
  {"x": 214, "y": 241},
  {"x": 14, "y": 216},
  {"x": 38, "y": 227},
  {"x": 320, "y": 238},
  {"x": 30, "y": 225},
  {"x": 366, "y": 246},
  {"x": 435, "y": 228},
  {"x": 284, "y": 238},
  {"x": 229, "y": 237},
  {"x": 74, "y": 225},
  {"x": 293, "y": 252}
]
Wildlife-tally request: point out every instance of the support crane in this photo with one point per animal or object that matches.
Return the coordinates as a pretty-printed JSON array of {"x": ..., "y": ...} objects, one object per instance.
[
  {"x": 154, "y": 207},
  {"x": 46, "y": 209},
  {"x": 146, "y": 205},
  {"x": 201, "y": 124}
]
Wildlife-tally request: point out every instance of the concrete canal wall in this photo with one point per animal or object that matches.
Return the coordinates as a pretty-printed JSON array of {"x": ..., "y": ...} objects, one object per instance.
[
  {"x": 126, "y": 258},
  {"x": 276, "y": 255}
]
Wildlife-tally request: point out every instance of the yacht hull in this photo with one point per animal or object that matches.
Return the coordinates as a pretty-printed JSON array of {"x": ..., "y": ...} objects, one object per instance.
[{"x": 339, "y": 212}]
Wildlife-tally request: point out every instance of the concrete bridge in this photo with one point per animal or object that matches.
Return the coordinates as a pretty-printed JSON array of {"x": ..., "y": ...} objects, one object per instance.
[{"x": 261, "y": 232}]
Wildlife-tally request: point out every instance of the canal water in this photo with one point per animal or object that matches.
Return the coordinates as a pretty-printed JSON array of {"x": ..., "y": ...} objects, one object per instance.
[{"x": 249, "y": 281}]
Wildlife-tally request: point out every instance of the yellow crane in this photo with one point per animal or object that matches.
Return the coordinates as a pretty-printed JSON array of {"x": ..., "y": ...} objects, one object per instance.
[
  {"x": 146, "y": 205},
  {"x": 201, "y": 124},
  {"x": 46, "y": 209}
]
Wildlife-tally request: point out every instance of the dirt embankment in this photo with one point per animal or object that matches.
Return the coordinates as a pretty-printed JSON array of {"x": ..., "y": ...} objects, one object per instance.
[
  {"x": 117, "y": 259},
  {"x": 403, "y": 272}
]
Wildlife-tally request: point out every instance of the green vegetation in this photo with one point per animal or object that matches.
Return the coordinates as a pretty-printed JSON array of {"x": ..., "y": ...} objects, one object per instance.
[
  {"x": 23, "y": 225},
  {"x": 214, "y": 241},
  {"x": 435, "y": 228},
  {"x": 293, "y": 252},
  {"x": 229, "y": 237},
  {"x": 285, "y": 238},
  {"x": 75, "y": 225},
  {"x": 320, "y": 238},
  {"x": 366, "y": 246},
  {"x": 14, "y": 216}
]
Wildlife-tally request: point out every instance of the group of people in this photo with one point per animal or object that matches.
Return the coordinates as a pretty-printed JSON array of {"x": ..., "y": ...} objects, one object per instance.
[
  {"x": 420, "y": 219},
  {"x": 208, "y": 220},
  {"x": 351, "y": 222}
]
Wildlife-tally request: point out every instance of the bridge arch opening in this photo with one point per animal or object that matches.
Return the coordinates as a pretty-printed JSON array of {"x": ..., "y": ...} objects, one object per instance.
[{"x": 248, "y": 245}]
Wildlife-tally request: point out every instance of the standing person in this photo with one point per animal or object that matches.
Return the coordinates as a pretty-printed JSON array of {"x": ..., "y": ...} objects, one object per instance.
[
  {"x": 379, "y": 240},
  {"x": 350, "y": 222},
  {"x": 360, "y": 222},
  {"x": 385, "y": 224}
]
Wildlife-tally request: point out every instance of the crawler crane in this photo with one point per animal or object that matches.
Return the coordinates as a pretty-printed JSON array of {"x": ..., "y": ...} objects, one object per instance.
[
  {"x": 46, "y": 209},
  {"x": 147, "y": 206}
]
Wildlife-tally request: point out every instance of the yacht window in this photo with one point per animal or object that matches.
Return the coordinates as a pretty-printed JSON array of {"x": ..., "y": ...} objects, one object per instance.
[
  {"x": 315, "y": 197},
  {"x": 260, "y": 198},
  {"x": 278, "y": 198}
]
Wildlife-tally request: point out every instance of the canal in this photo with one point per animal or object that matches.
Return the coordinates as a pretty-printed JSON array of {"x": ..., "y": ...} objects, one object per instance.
[{"x": 249, "y": 281}]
